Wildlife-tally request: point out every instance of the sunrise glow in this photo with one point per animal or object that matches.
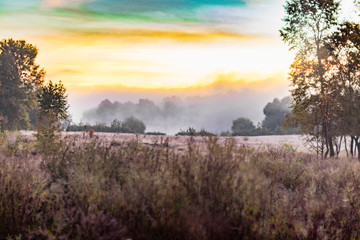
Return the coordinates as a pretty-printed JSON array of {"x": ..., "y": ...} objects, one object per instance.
[{"x": 131, "y": 46}]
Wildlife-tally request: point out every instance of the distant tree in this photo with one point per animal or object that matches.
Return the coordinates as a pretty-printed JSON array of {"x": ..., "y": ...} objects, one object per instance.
[
  {"x": 275, "y": 113},
  {"x": 172, "y": 107},
  {"x": 133, "y": 125},
  {"x": 243, "y": 127},
  {"x": 115, "y": 124},
  {"x": 20, "y": 78}
]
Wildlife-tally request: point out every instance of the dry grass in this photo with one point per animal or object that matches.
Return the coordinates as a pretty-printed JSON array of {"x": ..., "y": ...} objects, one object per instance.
[
  {"x": 218, "y": 189},
  {"x": 181, "y": 142}
]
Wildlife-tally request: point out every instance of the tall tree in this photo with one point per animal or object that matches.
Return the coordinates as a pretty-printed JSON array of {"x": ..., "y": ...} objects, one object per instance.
[
  {"x": 309, "y": 24},
  {"x": 345, "y": 55},
  {"x": 20, "y": 78}
]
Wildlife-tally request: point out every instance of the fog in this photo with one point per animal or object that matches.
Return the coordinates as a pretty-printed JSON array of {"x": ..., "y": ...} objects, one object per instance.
[
  {"x": 170, "y": 114},
  {"x": 210, "y": 106}
]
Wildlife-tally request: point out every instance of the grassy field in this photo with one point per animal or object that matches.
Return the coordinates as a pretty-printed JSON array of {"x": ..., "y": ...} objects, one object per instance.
[
  {"x": 180, "y": 143},
  {"x": 205, "y": 188}
]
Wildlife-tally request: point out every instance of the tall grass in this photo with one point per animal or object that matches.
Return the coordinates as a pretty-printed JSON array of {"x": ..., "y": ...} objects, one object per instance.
[{"x": 89, "y": 189}]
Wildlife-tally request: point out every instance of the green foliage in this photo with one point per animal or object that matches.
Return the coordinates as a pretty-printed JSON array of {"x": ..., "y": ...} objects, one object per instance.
[
  {"x": 53, "y": 101},
  {"x": 20, "y": 77},
  {"x": 243, "y": 127}
]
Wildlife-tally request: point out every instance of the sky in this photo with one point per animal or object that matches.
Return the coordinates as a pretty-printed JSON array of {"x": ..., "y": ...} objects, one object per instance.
[{"x": 129, "y": 49}]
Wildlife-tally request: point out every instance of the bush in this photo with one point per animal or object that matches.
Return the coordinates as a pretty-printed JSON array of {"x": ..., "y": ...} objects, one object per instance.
[
  {"x": 133, "y": 125},
  {"x": 156, "y": 133},
  {"x": 192, "y": 132},
  {"x": 243, "y": 127}
]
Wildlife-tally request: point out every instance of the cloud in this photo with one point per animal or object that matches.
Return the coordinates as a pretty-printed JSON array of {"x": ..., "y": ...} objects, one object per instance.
[
  {"x": 148, "y": 10},
  {"x": 6, "y": 5},
  {"x": 136, "y": 35},
  {"x": 236, "y": 80},
  {"x": 63, "y": 3},
  {"x": 136, "y": 6}
]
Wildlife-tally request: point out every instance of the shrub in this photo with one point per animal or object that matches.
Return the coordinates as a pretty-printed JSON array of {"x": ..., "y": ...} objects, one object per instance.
[
  {"x": 132, "y": 125},
  {"x": 243, "y": 127},
  {"x": 192, "y": 132},
  {"x": 156, "y": 133}
]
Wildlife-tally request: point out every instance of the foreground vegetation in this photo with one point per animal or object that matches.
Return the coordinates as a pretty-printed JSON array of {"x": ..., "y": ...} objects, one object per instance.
[{"x": 87, "y": 189}]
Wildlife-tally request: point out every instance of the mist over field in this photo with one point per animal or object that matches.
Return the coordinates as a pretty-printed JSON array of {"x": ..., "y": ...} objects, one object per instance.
[{"x": 170, "y": 114}]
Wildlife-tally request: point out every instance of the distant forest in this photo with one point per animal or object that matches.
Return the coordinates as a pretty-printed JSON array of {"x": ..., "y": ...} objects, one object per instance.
[{"x": 174, "y": 112}]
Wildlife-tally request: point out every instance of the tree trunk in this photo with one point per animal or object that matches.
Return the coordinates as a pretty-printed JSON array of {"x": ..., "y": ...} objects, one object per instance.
[
  {"x": 327, "y": 149},
  {"x": 347, "y": 153},
  {"x": 331, "y": 147},
  {"x": 338, "y": 146},
  {"x": 352, "y": 146},
  {"x": 356, "y": 140}
]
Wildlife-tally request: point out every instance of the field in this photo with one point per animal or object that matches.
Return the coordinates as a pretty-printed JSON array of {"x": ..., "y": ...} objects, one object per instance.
[
  {"x": 151, "y": 187},
  {"x": 180, "y": 143}
]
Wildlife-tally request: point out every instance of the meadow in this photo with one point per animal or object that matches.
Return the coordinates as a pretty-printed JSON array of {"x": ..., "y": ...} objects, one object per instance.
[{"x": 103, "y": 188}]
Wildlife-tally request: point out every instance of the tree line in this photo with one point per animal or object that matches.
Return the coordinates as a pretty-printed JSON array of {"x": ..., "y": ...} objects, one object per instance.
[
  {"x": 273, "y": 124},
  {"x": 275, "y": 113},
  {"x": 129, "y": 125}
]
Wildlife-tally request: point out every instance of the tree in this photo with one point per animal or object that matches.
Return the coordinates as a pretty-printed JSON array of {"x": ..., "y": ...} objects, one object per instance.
[
  {"x": 309, "y": 25},
  {"x": 345, "y": 55},
  {"x": 133, "y": 125},
  {"x": 20, "y": 78},
  {"x": 53, "y": 106},
  {"x": 275, "y": 113},
  {"x": 243, "y": 127},
  {"x": 53, "y": 101}
]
